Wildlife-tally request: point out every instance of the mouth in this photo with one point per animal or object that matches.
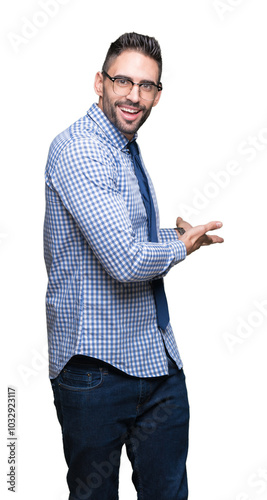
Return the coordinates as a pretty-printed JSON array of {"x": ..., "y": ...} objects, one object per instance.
[{"x": 129, "y": 113}]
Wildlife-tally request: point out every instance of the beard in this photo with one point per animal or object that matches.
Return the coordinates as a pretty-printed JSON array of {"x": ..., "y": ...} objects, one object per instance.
[{"x": 126, "y": 127}]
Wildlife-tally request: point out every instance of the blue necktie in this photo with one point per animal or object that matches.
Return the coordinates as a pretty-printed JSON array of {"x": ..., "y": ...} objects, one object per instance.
[{"x": 157, "y": 285}]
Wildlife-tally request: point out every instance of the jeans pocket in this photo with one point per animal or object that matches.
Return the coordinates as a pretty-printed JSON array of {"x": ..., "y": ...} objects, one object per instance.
[{"x": 80, "y": 379}]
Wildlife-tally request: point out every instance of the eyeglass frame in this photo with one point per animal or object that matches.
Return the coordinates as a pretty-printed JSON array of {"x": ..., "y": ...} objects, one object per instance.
[{"x": 114, "y": 78}]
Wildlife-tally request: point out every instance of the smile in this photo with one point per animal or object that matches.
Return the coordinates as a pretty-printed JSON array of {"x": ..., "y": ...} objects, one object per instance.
[
  {"x": 129, "y": 113},
  {"x": 128, "y": 110}
]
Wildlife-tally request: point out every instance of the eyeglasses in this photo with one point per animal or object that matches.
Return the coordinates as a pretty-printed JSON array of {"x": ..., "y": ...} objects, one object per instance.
[{"x": 122, "y": 86}]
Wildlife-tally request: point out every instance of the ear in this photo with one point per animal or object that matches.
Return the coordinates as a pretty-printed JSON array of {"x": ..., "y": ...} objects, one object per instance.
[
  {"x": 157, "y": 99},
  {"x": 98, "y": 85}
]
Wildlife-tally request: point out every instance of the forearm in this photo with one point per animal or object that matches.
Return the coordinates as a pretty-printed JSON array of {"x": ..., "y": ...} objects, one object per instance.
[
  {"x": 100, "y": 212},
  {"x": 142, "y": 261},
  {"x": 167, "y": 234}
]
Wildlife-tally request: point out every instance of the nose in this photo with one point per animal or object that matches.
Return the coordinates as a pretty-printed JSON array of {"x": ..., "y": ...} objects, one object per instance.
[{"x": 134, "y": 93}]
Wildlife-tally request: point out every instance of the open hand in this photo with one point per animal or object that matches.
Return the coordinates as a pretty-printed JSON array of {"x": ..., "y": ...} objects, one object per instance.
[{"x": 196, "y": 237}]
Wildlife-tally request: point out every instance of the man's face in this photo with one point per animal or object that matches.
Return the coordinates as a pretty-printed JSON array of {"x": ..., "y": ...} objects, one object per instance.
[{"x": 130, "y": 112}]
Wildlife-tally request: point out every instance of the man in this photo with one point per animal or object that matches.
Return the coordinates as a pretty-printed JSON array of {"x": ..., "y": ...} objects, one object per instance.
[{"x": 115, "y": 368}]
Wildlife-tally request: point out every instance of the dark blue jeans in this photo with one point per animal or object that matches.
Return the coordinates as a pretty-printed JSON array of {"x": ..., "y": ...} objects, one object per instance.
[{"x": 100, "y": 409}]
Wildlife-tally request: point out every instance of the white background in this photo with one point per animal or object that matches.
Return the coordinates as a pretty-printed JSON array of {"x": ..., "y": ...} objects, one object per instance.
[{"x": 213, "y": 105}]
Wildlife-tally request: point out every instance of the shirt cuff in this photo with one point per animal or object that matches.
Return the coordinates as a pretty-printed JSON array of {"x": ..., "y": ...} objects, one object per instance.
[
  {"x": 179, "y": 253},
  {"x": 181, "y": 250},
  {"x": 166, "y": 235}
]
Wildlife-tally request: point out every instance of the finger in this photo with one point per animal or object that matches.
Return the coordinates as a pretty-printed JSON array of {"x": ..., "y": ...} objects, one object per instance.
[
  {"x": 178, "y": 221},
  {"x": 211, "y": 226},
  {"x": 199, "y": 231},
  {"x": 209, "y": 240}
]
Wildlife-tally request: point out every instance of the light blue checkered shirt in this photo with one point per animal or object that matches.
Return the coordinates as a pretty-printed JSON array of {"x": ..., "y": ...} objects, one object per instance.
[{"x": 100, "y": 264}]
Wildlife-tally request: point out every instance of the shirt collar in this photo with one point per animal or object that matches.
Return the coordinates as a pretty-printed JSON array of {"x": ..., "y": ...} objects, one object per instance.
[{"x": 111, "y": 132}]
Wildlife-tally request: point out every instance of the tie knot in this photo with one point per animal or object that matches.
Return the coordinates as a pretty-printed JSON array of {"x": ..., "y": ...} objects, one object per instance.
[{"x": 133, "y": 148}]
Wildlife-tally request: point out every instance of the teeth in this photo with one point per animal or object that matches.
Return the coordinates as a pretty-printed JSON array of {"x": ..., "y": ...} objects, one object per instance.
[{"x": 129, "y": 110}]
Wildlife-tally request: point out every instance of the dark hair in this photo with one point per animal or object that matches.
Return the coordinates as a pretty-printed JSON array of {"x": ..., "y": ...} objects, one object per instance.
[{"x": 149, "y": 46}]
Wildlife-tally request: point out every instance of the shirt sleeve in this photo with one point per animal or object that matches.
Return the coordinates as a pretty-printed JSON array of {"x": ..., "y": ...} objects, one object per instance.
[
  {"x": 84, "y": 178},
  {"x": 167, "y": 234}
]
